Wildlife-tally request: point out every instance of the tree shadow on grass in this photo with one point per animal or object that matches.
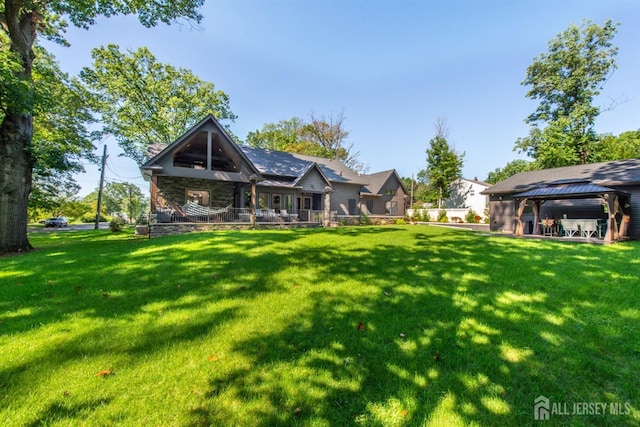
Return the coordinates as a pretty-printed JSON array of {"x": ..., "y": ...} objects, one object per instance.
[
  {"x": 439, "y": 342},
  {"x": 452, "y": 328},
  {"x": 61, "y": 411}
]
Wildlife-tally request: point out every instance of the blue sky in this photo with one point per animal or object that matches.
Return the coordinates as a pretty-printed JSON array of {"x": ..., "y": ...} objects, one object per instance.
[{"x": 391, "y": 67}]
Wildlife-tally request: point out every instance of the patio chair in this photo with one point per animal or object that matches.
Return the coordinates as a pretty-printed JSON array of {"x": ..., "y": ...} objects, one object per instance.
[{"x": 589, "y": 228}]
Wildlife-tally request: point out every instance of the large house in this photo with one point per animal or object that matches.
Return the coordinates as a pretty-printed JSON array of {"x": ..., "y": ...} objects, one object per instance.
[
  {"x": 204, "y": 176},
  {"x": 599, "y": 200}
]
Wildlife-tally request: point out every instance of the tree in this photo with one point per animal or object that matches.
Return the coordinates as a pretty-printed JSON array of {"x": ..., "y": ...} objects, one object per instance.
[
  {"x": 142, "y": 101},
  {"x": 281, "y": 136},
  {"x": 61, "y": 138},
  {"x": 565, "y": 80},
  {"x": 21, "y": 22},
  {"x": 511, "y": 168},
  {"x": 418, "y": 187},
  {"x": 120, "y": 197},
  {"x": 444, "y": 165},
  {"x": 320, "y": 136},
  {"x": 125, "y": 198},
  {"x": 624, "y": 146}
]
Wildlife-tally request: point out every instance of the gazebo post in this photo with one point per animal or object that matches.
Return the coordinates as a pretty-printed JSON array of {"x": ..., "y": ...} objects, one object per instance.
[
  {"x": 519, "y": 227},
  {"x": 537, "y": 207},
  {"x": 612, "y": 225}
]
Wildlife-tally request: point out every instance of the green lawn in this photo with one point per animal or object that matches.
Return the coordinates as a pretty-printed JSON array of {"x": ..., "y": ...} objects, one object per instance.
[{"x": 371, "y": 326}]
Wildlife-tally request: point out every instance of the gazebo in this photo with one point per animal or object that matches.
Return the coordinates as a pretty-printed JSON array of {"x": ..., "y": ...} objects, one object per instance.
[{"x": 615, "y": 202}]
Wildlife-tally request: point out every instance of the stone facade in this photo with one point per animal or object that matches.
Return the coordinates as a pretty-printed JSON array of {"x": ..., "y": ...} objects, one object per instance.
[{"x": 173, "y": 189}]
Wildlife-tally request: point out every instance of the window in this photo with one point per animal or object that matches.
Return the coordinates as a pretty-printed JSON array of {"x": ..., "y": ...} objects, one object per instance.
[
  {"x": 391, "y": 208},
  {"x": 263, "y": 201},
  {"x": 193, "y": 154},
  {"x": 353, "y": 203},
  {"x": 390, "y": 192},
  {"x": 288, "y": 202},
  {"x": 200, "y": 197},
  {"x": 472, "y": 192}
]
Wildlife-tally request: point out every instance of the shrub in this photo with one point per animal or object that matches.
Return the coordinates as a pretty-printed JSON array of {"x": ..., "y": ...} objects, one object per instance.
[
  {"x": 116, "y": 224},
  {"x": 400, "y": 221},
  {"x": 365, "y": 220},
  {"x": 142, "y": 220},
  {"x": 92, "y": 218},
  {"x": 442, "y": 216},
  {"x": 471, "y": 216}
]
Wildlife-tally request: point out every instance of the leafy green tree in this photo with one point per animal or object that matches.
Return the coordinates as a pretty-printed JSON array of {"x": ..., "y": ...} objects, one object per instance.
[
  {"x": 510, "y": 169},
  {"x": 320, "y": 137},
  {"x": 281, "y": 136},
  {"x": 419, "y": 187},
  {"x": 565, "y": 80},
  {"x": 142, "y": 101},
  {"x": 122, "y": 197},
  {"x": 624, "y": 146},
  {"x": 444, "y": 166},
  {"x": 61, "y": 139},
  {"x": 21, "y": 22}
]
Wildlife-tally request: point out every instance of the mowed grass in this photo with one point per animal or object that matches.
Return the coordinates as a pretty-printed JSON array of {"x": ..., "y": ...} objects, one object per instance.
[{"x": 371, "y": 326}]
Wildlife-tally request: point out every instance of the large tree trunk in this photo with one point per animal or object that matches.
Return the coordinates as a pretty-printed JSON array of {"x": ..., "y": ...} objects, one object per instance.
[
  {"x": 16, "y": 133},
  {"x": 16, "y": 168}
]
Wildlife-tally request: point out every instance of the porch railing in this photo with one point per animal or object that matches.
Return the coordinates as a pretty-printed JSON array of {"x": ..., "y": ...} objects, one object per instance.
[{"x": 229, "y": 214}]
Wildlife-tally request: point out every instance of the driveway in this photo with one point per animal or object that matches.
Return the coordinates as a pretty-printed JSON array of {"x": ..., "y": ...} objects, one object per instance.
[{"x": 71, "y": 227}]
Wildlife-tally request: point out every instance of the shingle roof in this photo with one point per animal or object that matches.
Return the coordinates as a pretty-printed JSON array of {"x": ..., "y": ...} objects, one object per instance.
[
  {"x": 280, "y": 163},
  {"x": 616, "y": 173},
  {"x": 377, "y": 180}
]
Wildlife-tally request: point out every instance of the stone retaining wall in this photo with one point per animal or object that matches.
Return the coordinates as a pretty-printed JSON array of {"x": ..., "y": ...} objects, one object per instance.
[{"x": 168, "y": 229}]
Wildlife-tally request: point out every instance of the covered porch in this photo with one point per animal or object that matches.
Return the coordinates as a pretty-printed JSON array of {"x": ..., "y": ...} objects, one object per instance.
[{"x": 609, "y": 225}]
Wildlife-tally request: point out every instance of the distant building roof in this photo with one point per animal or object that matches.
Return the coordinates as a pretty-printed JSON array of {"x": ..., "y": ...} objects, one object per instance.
[{"x": 615, "y": 173}]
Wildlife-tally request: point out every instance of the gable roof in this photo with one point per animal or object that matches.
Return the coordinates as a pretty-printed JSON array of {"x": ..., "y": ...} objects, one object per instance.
[
  {"x": 378, "y": 179},
  {"x": 156, "y": 151},
  {"x": 615, "y": 173},
  {"x": 278, "y": 167}
]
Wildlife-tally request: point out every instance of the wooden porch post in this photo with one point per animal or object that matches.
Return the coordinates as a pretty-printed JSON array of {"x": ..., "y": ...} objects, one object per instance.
[
  {"x": 519, "y": 226},
  {"x": 252, "y": 208},
  {"x": 154, "y": 192}
]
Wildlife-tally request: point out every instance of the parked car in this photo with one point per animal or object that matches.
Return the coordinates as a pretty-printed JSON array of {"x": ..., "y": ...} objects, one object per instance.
[{"x": 58, "y": 221}]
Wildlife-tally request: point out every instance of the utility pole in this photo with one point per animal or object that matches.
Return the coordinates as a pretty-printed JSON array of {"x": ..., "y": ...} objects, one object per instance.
[
  {"x": 104, "y": 162},
  {"x": 411, "y": 206}
]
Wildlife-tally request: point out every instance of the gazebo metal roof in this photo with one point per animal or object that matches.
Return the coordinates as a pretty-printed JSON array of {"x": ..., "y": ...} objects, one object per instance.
[{"x": 573, "y": 190}]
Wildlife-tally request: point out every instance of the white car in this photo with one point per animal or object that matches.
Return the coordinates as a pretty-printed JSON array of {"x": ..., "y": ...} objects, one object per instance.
[{"x": 58, "y": 221}]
